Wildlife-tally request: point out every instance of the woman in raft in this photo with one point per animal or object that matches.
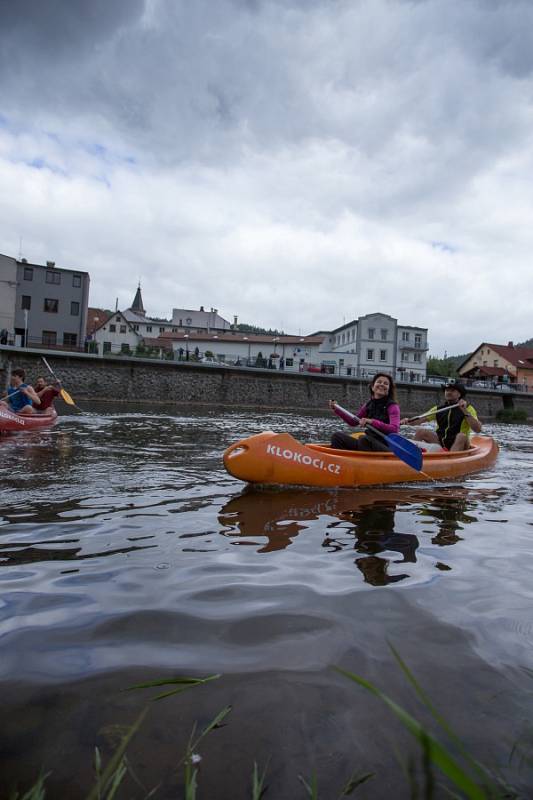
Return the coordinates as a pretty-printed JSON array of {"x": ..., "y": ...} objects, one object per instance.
[{"x": 381, "y": 413}]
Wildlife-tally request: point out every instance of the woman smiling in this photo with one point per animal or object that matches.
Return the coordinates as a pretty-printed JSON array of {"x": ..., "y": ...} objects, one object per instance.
[{"x": 380, "y": 413}]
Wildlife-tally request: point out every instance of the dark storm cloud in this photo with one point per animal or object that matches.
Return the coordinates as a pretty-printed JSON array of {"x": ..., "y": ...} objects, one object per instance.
[
  {"x": 201, "y": 80},
  {"x": 39, "y": 30}
]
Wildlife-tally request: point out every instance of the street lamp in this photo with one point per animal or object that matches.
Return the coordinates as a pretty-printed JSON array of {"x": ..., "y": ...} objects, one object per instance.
[{"x": 186, "y": 337}]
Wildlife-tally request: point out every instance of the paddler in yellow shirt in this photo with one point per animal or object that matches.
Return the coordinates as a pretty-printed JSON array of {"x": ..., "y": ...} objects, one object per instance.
[{"x": 456, "y": 419}]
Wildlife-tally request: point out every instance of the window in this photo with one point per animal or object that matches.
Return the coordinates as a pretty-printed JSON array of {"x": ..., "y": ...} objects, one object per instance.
[
  {"x": 107, "y": 347},
  {"x": 382, "y": 355},
  {"x": 148, "y": 329},
  {"x": 49, "y": 337},
  {"x": 123, "y": 329},
  {"x": 384, "y": 334},
  {"x": 124, "y": 347},
  {"x": 112, "y": 328},
  {"x": 417, "y": 357},
  {"x": 418, "y": 339},
  {"x": 405, "y": 356},
  {"x": 162, "y": 330},
  {"x": 180, "y": 323},
  {"x": 50, "y": 305},
  {"x": 405, "y": 336},
  {"x": 53, "y": 277},
  {"x": 495, "y": 360},
  {"x": 369, "y": 355},
  {"x": 74, "y": 308},
  {"x": 76, "y": 281},
  {"x": 371, "y": 332},
  {"x": 28, "y": 273},
  {"x": 26, "y": 302},
  {"x": 70, "y": 339},
  {"x": 135, "y": 327},
  {"x": 289, "y": 362},
  {"x": 188, "y": 321}
]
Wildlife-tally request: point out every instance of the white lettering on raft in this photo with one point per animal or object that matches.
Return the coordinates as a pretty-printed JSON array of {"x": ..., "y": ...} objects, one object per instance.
[
  {"x": 290, "y": 455},
  {"x": 10, "y": 417}
]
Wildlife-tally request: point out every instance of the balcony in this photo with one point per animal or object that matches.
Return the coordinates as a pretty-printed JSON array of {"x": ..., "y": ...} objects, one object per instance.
[{"x": 413, "y": 346}]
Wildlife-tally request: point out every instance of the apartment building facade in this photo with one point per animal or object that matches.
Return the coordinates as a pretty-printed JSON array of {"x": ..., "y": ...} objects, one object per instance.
[
  {"x": 378, "y": 343},
  {"x": 50, "y": 306}
]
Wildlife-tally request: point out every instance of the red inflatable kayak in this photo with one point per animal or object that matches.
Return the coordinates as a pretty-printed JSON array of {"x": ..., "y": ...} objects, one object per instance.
[{"x": 9, "y": 421}]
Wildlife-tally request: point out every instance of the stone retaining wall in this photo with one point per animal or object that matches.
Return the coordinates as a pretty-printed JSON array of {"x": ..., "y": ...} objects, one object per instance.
[{"x": 89, "y": 377}]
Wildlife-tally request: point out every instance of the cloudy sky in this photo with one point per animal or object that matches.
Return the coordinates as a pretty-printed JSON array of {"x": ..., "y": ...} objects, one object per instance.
[{"x": 295, "y": 162}]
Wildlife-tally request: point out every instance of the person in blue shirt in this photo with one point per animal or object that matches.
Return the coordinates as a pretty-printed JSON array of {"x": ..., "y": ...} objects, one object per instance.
[{"x": 21, "y": 397}]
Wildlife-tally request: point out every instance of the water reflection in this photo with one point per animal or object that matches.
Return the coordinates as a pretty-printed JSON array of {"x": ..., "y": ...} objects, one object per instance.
[{"x": 370, "y": 522}]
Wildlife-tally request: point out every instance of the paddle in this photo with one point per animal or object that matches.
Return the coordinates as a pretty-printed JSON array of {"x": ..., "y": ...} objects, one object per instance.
[
  {"x": 63, "y": 392},
  {"x": 429, "y": 413},
  {"x": 402, "y": 448}
]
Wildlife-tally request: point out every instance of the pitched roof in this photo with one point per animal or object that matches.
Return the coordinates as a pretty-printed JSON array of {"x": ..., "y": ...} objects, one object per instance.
[
  {"x": 137, "y": 304},
  {"x": 517, "y": 356},
  {"x": 96, "y": 318}
]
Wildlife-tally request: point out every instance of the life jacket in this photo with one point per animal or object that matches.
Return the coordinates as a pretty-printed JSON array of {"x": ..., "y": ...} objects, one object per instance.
[
  {"x": 377, "y": 409},
  {"x": 19, "y": 399},
  {"x": 448, "y": 424}
]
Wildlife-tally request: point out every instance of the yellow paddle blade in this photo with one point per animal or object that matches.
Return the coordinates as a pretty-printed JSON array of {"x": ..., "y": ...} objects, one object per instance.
[{"x": 67, "y": 398}]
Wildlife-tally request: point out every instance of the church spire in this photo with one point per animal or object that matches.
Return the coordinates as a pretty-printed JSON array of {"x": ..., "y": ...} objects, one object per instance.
[{"x": 137, "y": 305}]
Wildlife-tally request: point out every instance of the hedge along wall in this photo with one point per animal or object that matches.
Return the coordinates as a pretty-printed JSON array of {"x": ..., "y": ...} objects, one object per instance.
[{"x": 120, "y": 379}]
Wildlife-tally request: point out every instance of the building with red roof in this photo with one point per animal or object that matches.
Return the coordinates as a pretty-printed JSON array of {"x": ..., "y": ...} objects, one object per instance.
[{"x": 500, "y": 363}]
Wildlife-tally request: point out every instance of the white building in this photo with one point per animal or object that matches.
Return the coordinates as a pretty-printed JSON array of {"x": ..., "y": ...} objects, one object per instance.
[
  {"x": 291, "y": 353},
  {"x": 380, "y": 344},
  {"x": 189, "y": 319},
  {"x": 114, "y": 334}
]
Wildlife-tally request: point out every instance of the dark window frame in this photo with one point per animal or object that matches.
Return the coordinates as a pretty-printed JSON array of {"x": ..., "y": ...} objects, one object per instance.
[
  {"x": 51, "y": 301},
  {"x": 49, "y": 337}
]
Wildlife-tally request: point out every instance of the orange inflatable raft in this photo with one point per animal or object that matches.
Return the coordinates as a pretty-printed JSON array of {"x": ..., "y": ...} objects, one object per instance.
[{"x": 278, "y": 458}]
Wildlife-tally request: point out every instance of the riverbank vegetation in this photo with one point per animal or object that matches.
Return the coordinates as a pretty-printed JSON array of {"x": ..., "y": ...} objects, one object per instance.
[
  {"x": 516, "y": 415},
  {"x": 442, "y": 764}
]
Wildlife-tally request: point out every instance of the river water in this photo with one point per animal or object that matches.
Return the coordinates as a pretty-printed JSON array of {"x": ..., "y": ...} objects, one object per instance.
[{"x": 128, "y": 554}]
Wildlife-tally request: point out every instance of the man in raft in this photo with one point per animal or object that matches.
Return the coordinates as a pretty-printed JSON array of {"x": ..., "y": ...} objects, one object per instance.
[
  {"x": 21, "y": 397},
  {"x": 456, "y": 419},
  {"x": 47, "y": 394}
]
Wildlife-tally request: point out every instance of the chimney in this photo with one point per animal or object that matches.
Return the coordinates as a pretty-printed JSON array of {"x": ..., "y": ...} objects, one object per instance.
[
  {"x": 510, "y": 344},
  {"x": 50, "y": 264}
]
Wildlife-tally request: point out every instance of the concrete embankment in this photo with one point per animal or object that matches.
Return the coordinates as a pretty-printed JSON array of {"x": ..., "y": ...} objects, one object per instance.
[{"x": 89, "y": 377}]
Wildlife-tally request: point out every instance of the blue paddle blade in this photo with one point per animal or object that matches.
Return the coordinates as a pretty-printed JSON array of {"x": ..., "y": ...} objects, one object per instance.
[{"x": 405, "y": 450}]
